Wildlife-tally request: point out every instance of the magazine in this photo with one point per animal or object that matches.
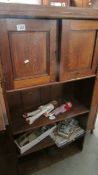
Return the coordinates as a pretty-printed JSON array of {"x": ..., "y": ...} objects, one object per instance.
[{"x": 66, "y": 132}]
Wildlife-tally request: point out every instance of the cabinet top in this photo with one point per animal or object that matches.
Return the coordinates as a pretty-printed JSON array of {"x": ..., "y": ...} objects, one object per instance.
[{"x": 36, "y": 11}]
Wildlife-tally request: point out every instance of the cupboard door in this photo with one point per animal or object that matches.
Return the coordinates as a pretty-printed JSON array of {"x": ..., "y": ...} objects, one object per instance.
[
  {"x": 30, "y": 56},
  {"x": 79, "y": 49}
]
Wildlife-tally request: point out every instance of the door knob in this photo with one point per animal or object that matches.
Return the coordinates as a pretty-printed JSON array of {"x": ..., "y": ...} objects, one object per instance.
[{"x": 26, "y": 61}]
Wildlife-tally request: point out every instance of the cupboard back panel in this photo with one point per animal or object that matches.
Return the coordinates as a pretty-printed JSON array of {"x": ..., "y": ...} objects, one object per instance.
[
  {"x": 81, "y": 90},
  {"x": 84, "y": 91},
  {"x": 27, "y": 100},
  {"x": 23, "y": 101}
]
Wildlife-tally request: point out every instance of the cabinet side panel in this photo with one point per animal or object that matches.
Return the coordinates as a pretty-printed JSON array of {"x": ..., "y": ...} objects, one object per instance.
[
  {"x": 94, "y": 106},
  {"x": 2, "y": 111}
]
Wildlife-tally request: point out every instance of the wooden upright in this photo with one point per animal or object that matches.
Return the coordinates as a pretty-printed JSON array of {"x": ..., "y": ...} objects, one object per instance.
[{"x": 2, "y": 105}]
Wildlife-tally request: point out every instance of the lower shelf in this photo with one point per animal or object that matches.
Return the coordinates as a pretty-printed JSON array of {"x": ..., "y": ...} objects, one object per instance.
[
  {"x": 39, "y": 160},
  {"x": 47, "y": 142}
]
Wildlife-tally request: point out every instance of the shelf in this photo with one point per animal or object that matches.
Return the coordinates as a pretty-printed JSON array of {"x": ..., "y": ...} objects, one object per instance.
[
  {"x": 17, "y": 10},
  {"x": 47, "y": 142},
  {"x": 49, "y": 84},
  {"x": 19, "y": 125}
]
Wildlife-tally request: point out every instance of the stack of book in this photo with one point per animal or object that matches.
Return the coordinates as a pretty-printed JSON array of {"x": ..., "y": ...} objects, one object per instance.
[{"x": 66, "y": 132}]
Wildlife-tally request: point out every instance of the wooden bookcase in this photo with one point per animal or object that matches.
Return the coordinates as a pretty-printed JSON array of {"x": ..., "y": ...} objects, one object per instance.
[{"x": 48, "y": 53}]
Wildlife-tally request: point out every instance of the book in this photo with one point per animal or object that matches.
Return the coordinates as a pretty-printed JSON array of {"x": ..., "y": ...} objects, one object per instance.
[
  {"x": 67, "y": 127},
  {"x": 61, "y": 141},
  {"x": 66, "y": 132}
]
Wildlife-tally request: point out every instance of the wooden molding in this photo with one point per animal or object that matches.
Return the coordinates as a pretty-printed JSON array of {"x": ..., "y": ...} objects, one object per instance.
[{"x": 17, "y": 10}]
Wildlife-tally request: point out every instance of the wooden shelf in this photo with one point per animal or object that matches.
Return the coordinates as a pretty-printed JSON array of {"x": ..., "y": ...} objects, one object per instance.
[
  {"x": 17, "y": 10},
  {"x": 47, "y": 142},
  {"x": 43, "y": 144},
  {"x": 19, "y": 125},
  {"x": 49, "y": 84}
]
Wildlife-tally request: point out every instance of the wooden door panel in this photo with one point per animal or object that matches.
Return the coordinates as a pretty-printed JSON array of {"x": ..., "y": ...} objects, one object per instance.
[
  {"x": 29, "y": 61},
  {"x": 31, "y": 51},
  {"x": 82, "y": 25},
  {"x": 78, "y": 49}
]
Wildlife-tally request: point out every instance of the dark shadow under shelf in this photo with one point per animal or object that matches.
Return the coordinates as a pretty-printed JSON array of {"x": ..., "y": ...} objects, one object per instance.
[
  {"x": 48, "y": 156},
  {"x": 19, "y": 125}
]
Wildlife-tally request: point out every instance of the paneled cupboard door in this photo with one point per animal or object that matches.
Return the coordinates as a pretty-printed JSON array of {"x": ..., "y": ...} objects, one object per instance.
[
  {"x": 28, "y": 52},
  {"x": 79, "y": 49}
]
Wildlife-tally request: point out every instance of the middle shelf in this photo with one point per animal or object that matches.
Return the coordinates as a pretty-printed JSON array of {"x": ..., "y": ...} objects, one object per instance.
[
  {"x": 79, "y": 93},
  {"x": 19, "y": 125}
]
